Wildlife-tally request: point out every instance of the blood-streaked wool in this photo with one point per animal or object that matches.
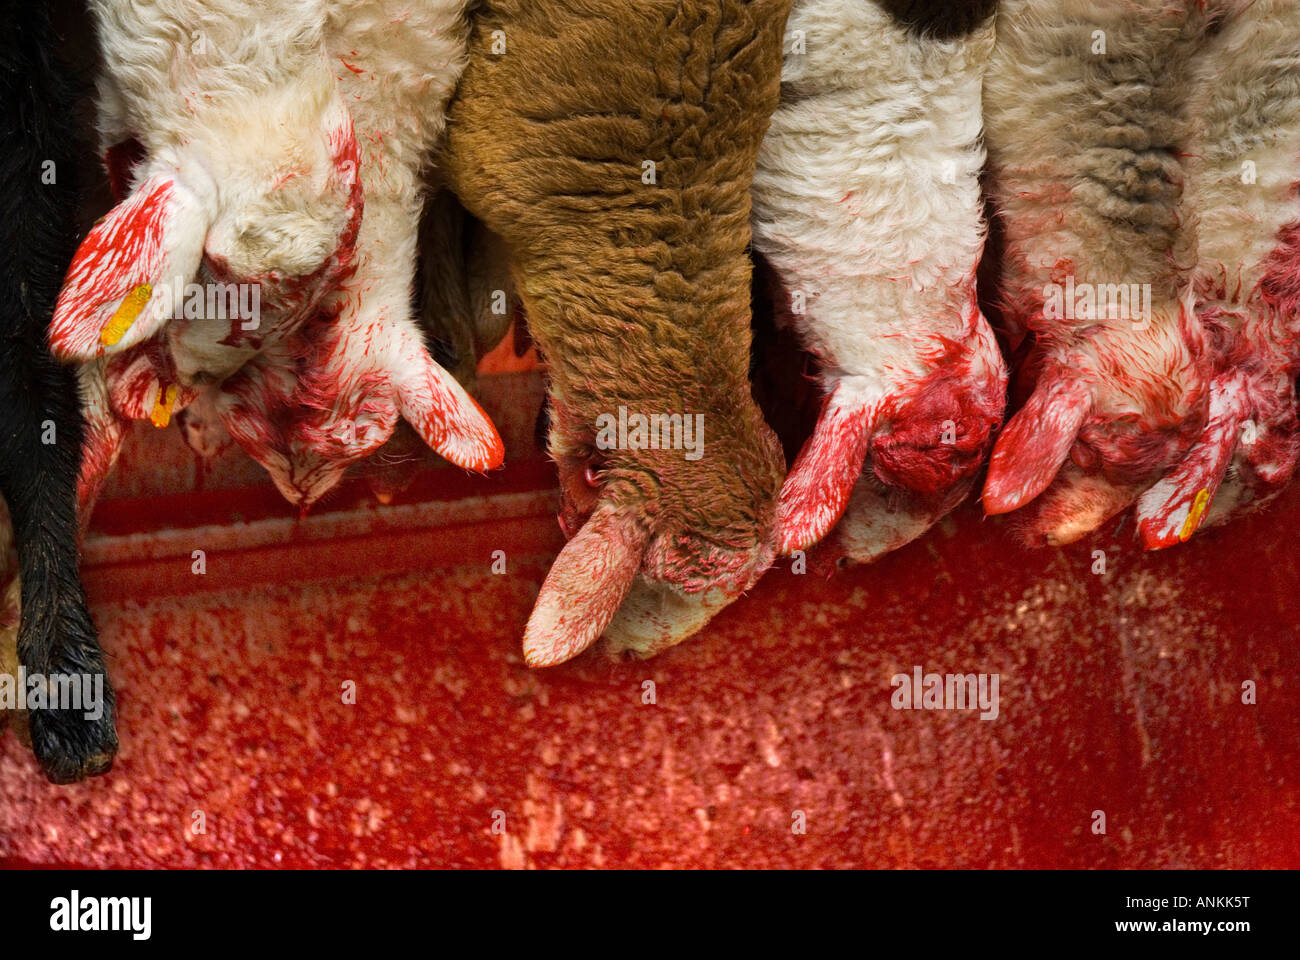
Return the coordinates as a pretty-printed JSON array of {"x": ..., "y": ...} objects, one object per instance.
[
  {"x": 611, "y": 147},
  {"x": 362, "y": 362},
  {"x": 255, "y": 407},
  {"x": 1086, "y": 120},
  {"x": 461, "y": 267},
  {"x": 328, "y": 382},
  {"x": 867, "y": 204},
  {"x": 368, "y": 364},
  {"x": 41, "y": 442},
  {"x": 1244, "y": 163},
  {"x": 224, "y": 118},
  {"x": 465, "y": 303}
]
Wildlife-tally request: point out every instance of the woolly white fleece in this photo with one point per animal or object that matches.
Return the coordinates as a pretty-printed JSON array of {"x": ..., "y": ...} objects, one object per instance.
[{"x": 867, "y": 204}]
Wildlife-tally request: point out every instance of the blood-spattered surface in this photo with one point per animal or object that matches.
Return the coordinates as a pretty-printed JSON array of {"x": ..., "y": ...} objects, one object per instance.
[{"x": 1119, "y": 692}]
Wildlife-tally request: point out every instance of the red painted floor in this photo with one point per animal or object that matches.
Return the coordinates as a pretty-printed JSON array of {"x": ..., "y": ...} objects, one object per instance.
[{"x": 1119, "y": 693}]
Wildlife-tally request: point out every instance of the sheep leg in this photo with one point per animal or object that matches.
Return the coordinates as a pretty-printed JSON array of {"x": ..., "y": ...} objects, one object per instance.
[{"x": 57, "y": 637}]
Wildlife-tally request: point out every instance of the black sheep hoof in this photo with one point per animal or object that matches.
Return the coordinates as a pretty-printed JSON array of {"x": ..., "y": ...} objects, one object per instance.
[{"x": 71, "y": 748}]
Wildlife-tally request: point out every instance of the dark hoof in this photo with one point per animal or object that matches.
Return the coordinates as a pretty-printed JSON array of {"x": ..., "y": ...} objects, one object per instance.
[{"x": 70, "y": 747}]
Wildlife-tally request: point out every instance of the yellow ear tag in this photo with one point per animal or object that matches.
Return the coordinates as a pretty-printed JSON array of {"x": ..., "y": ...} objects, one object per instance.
[
  {"x": 1194, "y": 515},
  {"x": 162, "y": 408},
  {"x": 132, "y": 304}
]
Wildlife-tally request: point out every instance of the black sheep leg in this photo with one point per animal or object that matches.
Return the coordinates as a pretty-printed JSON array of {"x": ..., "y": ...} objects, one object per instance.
[
  {"x": 56, "y": 636},
  {"x": 38, "y": 479}
]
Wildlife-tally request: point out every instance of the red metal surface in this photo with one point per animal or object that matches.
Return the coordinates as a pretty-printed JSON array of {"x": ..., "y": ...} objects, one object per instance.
[{"x": 1119, "y": 692}]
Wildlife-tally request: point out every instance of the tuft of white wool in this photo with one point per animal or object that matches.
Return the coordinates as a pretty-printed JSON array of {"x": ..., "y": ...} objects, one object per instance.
[
  {"x": 1086, "y": 119},
  {"x": 1244, "y": 189},
  {"x": 866, "y": 198},
  {"x": 867, "y": 204}
]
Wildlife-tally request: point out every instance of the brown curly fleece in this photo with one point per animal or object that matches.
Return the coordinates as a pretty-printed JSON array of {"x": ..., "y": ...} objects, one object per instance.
[{"x": 637, "y": 293}]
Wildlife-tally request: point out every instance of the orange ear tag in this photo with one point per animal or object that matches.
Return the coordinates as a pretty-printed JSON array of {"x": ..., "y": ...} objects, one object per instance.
[
  {"x": 132, "y": 305},
  {"x": 162, "y": 408},
  {"x": 1194, "y": 515}
]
